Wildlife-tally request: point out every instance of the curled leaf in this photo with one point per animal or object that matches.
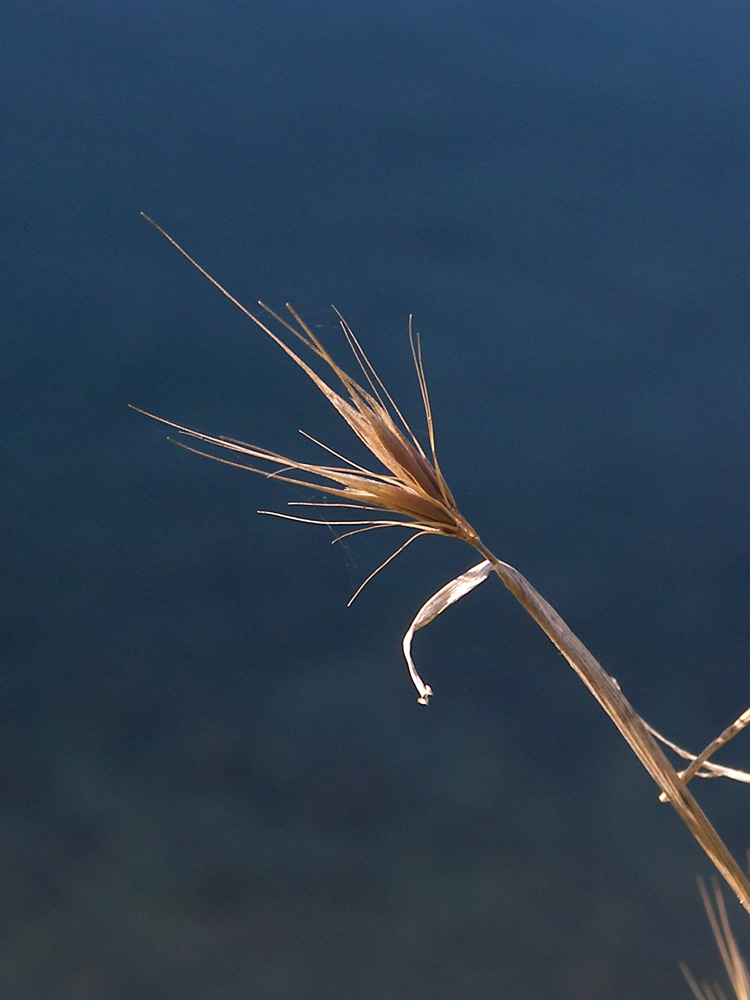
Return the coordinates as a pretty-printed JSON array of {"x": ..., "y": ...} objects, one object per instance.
[{"x": 443, "y": 599}]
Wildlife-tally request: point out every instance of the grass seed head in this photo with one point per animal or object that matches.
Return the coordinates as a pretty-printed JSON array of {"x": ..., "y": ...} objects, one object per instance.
[{"x": 406, "y": 486}]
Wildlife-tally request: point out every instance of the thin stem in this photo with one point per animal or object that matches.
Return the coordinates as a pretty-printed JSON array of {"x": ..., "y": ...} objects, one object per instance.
[
  {"x": 729, "y": 733},
  {"x": 632, "y": 727}
]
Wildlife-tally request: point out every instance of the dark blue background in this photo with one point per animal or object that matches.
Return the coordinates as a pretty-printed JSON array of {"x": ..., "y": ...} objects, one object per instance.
[{"x": 215, "y": 780}]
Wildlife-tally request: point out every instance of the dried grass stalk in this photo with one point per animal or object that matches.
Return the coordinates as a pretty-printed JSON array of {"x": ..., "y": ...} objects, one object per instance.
[{"x": 410, "y": 492}]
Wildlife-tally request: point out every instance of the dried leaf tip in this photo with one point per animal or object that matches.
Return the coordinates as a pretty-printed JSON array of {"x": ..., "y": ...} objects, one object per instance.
[{"x": 447, "y": 595}]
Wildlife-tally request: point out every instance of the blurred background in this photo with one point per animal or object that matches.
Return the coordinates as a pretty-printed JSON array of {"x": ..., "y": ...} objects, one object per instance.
[{"x": 215, "y": 779}]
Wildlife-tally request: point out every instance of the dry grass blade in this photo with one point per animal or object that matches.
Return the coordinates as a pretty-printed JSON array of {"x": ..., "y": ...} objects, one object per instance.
[
  {"x": 631, "y": 726},
  {"x": 721, "y": 740},
  {"x": 409, "y": 485},
  {"x": 436, "y": 605},
  {"x": 701, "y": 766}
]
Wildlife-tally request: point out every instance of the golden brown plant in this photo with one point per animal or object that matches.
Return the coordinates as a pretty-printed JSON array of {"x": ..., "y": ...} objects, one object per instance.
[{"x": 411, "y": 489}]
